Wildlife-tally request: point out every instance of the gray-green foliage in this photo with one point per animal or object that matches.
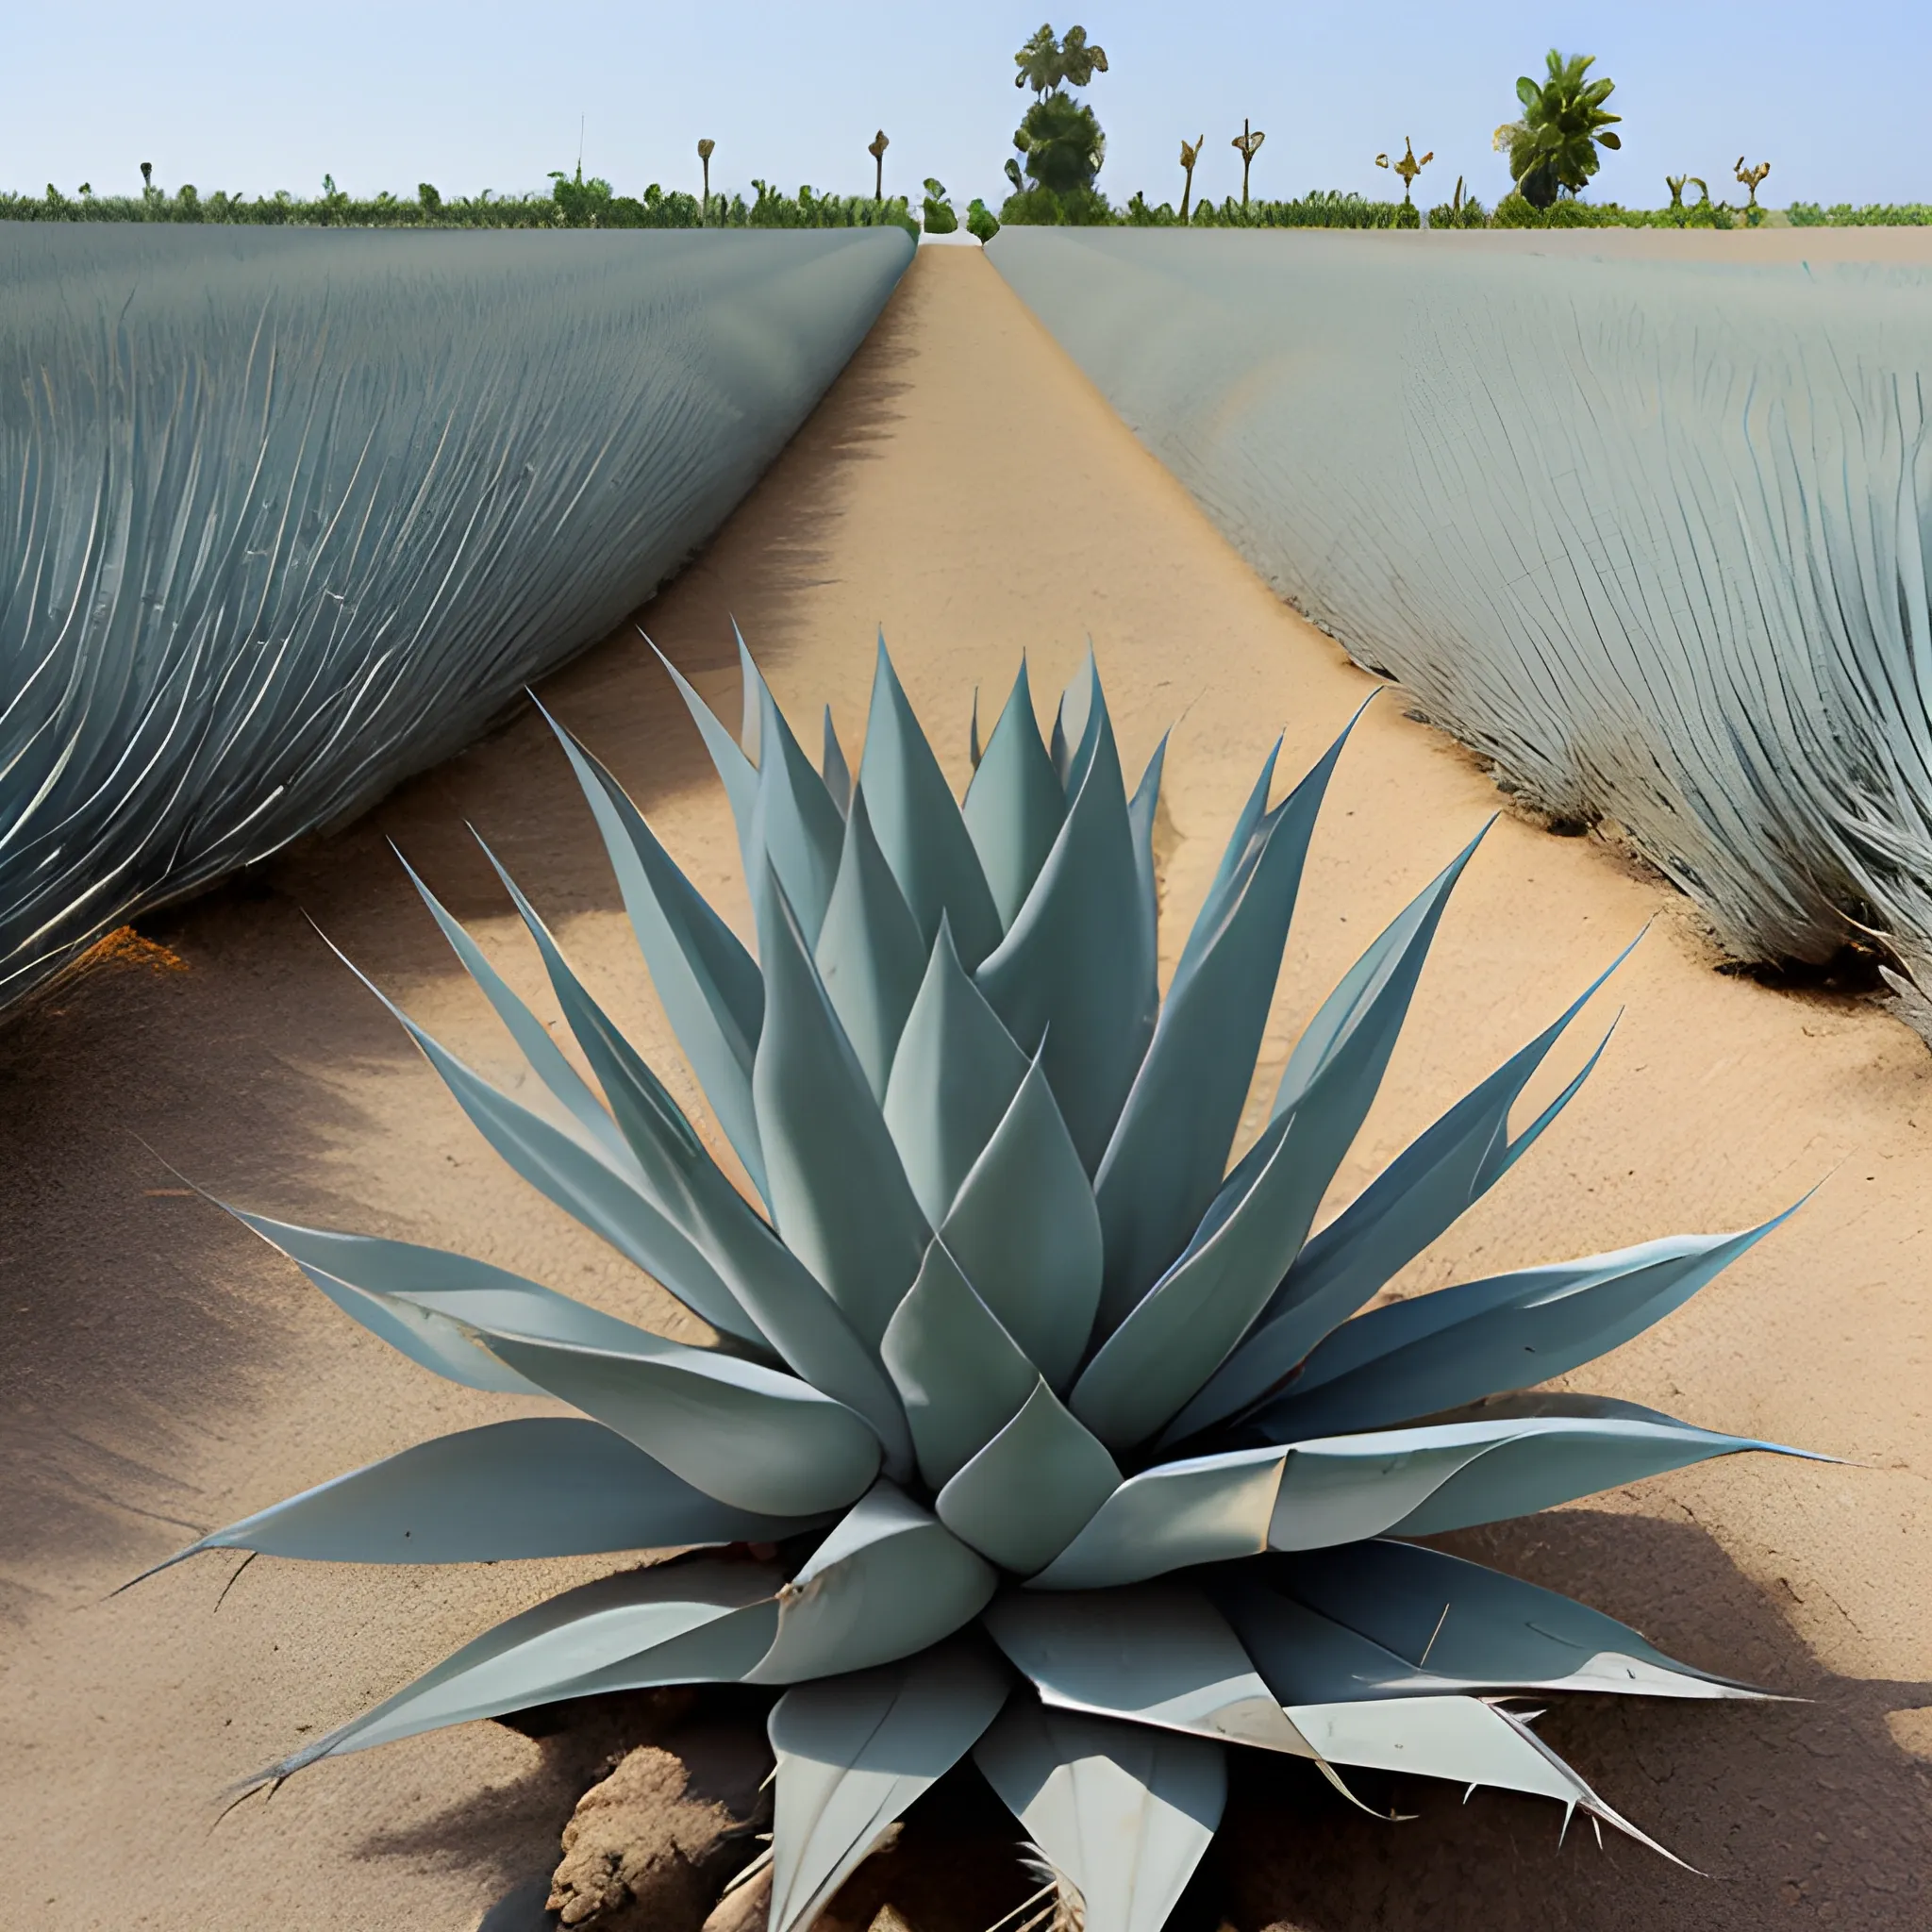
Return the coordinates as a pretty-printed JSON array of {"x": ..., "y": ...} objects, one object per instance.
[
  {"x": 1769, "y": 748},
  {"x": 1014, "y": 1367},
  {"x": 295, "y": 514}
]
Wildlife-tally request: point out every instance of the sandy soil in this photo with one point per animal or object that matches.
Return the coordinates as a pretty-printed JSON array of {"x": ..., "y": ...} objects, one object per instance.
[{"x": 963, "y": 484}]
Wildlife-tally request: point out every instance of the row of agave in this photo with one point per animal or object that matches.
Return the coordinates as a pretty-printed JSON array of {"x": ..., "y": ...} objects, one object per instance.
[{"x": 1073, "y": 1449}]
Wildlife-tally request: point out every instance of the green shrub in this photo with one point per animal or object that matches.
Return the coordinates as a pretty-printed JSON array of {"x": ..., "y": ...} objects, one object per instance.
[
  {"x": 941, "y": 219},
  {"x": 1041, "y": 207},
  {"x": 981, "y": 220},
  {"x": 573, "y": 202},
  {"x": 1140, "y": 214},
  {"x": 1320, "y": 209},
  {"x": 1472, "y": 214},
  {"x": 1911, "y": 214}
]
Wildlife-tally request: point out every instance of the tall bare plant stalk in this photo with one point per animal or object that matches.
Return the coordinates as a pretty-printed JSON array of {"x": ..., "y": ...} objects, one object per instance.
[
  {"x": 1249, "y": 142},
  {"x": 1188, "y": 157}
]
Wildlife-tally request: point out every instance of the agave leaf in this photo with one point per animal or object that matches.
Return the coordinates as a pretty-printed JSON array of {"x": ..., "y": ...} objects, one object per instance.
[
  {"x": 1237, "y": 858},
  {"x": 1372, "y": 996},
  {"x": 1412, "y": 1201},
  {"x": 1025, "y": 1230},
  {"x": 806, "y": 1327},
  {"x": 1438, "y": 1351},
  {"x": 854, "y": 1752},
  {"x": 658, "y": 1139},
  {"x": 1462, "y": 1739},
  {"x": 959, "y": 1375},
  {"x": 1082, "y": 707},
  {"x": 1169, "y": 1152},
  {"x": 1076, "y": 971},
  {"x": 709, "y": 985},
  {"x": 1466, "y": 1739},
  {"x": 751, "y": 696},
  {"x": 833, "y": 768},
  {"x": 1186, "y": 1326},
  {"x": 720, "y": 1652},
  {"x": 539, "y": 1486},
  {"x": 1516, "y": 1459},
  {"x": 606, "y": 1200},
  {"x": 736, "y": 767},
  {"x": 1208, "y": 1510},
  {"x": 681, "y": 1623},
  {"x": 1180, "y": 1331},
  {"x": 566, "y": 1085},
  {"x": 837, "y": 1192},
  {"x": 1159, "y": 1654},
  {"x": 747, "y": 1435},
  {"x": 796, "y": 826},
  {"x": 1122, "y": 1813},
  {"x": 889, "y": 1581},
  {"x": 954, "y": 1077},
  {"x": 868, "y": 952},
  {"x": 1014, "y": 806},
  {"x": 1420, "y": 1619},
  {"x": 363, "y": 1275},
  {"x": 781, "y": 1308},
  {"x": 919, "y": 827},
  {"x": 1027, "y": 1493},
  {"x": 1541, "y": 1456},
  {"x": 1142, "y": 810}
]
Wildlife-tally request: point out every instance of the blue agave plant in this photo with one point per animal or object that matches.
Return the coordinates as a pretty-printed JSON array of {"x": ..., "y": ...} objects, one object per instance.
[{"x": 1074, "y": 1448}]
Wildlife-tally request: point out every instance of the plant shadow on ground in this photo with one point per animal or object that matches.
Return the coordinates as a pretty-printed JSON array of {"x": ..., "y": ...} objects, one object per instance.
[
  {"x": 1803, "y": 1811},
  {"x": 135, "y": 1312},
  {"x": 1796, "y": 1813}
]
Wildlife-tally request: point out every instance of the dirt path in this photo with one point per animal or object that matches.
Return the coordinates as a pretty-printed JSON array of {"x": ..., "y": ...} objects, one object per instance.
[{"x": 963, "y": 486}]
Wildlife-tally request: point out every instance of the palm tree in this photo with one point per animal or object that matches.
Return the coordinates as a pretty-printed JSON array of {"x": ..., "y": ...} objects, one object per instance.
[
  {"x": 1248, "y": 140},
  {"x": 1553, "y": 147},
  {"x": 1046, "y": 63},
  {"x": 876, "y": 149},
  {"x": 1058, "y": 136},
  {"x": 1039, "y": 62},
  {"x": 705, "y": 148},
  {"x": 1752, "y": 177},
  {"x": 1079, "y": 62},
  {"x": 1188, "y": 157}
]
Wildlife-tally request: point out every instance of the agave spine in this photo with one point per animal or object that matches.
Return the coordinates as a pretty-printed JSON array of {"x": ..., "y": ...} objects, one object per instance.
[{"x": 1014, "y": 1369}]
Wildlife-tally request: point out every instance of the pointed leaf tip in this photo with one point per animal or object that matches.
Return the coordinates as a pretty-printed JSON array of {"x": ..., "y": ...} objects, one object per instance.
[{"x": 919, "y": 824}]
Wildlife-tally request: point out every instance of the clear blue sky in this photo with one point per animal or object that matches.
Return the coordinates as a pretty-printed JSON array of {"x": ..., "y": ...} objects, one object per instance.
[{"x": 489, "y": 95}]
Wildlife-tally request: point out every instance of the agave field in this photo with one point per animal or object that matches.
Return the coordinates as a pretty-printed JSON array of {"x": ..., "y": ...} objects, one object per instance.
[
  {"x": 1652, "y": 535},
  {"x": 294, "y": 516},
  {"x": 1015, "y": 1308},
  {"x": 1073, "y": 1449}
]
